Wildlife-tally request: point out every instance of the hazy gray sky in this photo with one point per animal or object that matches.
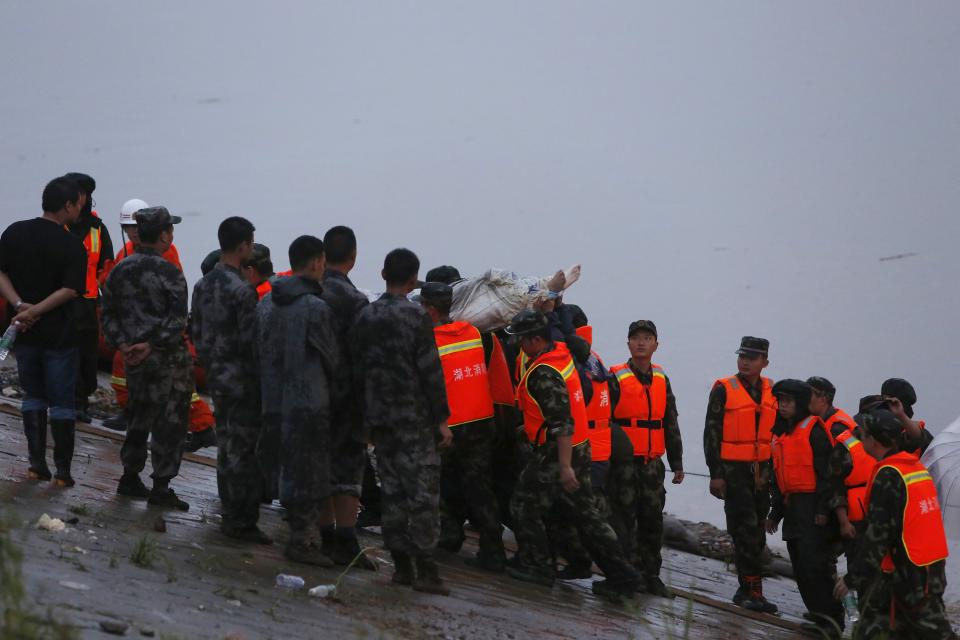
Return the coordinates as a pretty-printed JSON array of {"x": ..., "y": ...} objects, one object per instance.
[{"x": 721, "y": 168}]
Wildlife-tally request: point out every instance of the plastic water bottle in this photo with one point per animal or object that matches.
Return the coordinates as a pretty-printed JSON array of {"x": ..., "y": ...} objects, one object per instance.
[
  {"x": 7, "y": 340},
  {"x": 290, "y": 582},
  {"x": 322, "y": 591},
  {"x": 851, "y": 608}
]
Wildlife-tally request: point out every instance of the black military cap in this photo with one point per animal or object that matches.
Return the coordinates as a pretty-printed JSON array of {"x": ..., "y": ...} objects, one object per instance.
[
  {"x": 445, "y": 274},
  {"x": 642, "y": 325},
  {"x": 527, "y": 322},
  {"x": 880, "y": 422},
  {"x": 822, "y": 385},
  {"x": 900, "y": 389},
  {"x": 799, "y": 390},
  {"x": 436, "y": 294},
  {"x": 154, "y": 219},
  {"x": 750, "y": 345}
]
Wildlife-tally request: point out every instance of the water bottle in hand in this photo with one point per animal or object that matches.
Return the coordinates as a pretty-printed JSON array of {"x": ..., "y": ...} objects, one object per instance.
[
  {"x": 851, "y": 608},
  {"x": 290, "y": 582},
  {"x": 6, "y": 342}
]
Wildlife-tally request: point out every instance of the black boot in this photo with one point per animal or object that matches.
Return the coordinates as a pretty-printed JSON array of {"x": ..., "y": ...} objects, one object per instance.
[
  {"x": 35, "y": 428},
  {"x": 428, "y": 577},
  {"x": 64, "y": 436},
  {"x": 403, "y": 568}
]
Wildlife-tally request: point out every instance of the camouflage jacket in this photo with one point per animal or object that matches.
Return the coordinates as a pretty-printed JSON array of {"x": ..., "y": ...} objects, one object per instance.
[
  {"x": 145, "y": 300},
  {"x": 547, "y": 388},
  {"x": 397, "y": 371},
  {"x": 223, "y": 326},
  {"x": 713, "y": 429},
  {"x": 346, "y": 302},
  {"x": 671, "y": 426},
  {"x": 884, "y": 531}
]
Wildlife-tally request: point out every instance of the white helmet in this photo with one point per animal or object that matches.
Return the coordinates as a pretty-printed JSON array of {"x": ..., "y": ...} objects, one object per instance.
[{"x": 129, "y": 208}]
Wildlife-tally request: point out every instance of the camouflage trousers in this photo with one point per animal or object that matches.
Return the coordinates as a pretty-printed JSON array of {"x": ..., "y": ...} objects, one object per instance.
[
  {"x": 465, "y": 489},
  {"x": 563, "y": 533},
  {"x": 409, "y": 494},
  {"x": 540, "y": 495},
  {"x": 158, "y": 408},
  {"x": 240, "y": 482},
  {"x": 746, "y": 506},
  {"x": 926, "y": 621},
  {"x": 637, "y": 497}
]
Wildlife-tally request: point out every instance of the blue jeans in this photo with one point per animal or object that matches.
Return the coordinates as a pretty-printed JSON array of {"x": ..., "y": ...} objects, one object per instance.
[{"x": 48, "y": 378}]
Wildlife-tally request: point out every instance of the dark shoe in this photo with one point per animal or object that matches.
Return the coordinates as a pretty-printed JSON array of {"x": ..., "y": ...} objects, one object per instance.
[
  {"x": 741, "y": 596},
  {"x": 307, "y": 554},
  {"x": 347, "y": 552},
  {"x": 368, "y": 518},
  {"x": 116, "y": 423},
  {"x": 199, "y": 439},
  {"x": 526, "y": 574},
  {"x": 403, "y": 568},
  {"x": 428, "y": 578},
  {"x": 249, "y": 534},
  {"x": 656, "y": 587},
  {"x": 575, "y": 572},
  {"x": 35, "y": 428},
  {"x": 167, "y": 499},
  {"x": 755, "y": 600},
  {"x": 612, "y": 592},
  {"x": 487, "y": 562},
  {"x": 132, "y": 486},
  {"x": 64, "y": 438}
]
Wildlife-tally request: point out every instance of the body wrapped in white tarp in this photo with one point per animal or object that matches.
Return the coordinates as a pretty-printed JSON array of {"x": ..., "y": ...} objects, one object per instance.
[{"x": 942, "y": 459}]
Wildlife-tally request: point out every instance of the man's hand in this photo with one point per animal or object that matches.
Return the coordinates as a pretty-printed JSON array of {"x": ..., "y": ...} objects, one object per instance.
[
  {"x": 446, "y": 436},
  {"x": 678, "y": 476},
  {"x": 771, "y": 526},
  {"x": 568, "y": 479},
  {"x": 896, "y": 408},
  {"x": 840, "y": 589},
  {"x": 847, "y": 530},
  {"x": 25, "y": 316},
  {"x": 718, "y": 488},
  {"x": 137, "y": 353}
]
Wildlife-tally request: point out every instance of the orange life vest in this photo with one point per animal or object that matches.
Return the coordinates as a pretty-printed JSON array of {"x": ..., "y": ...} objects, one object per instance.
[
  {"x": 598, "y": 420},
  {"x": 170, "y": 255},
  {"x": 464, "y": 372},
  {"x": 641, "y": 409},
  {"x": 263, "y": 289},
  {"x": 585, "y": 332},
  {"x": 284, "y": 274},
  {"x": 501, "y": 386},
  {"x": 747, "y": 426},
  {"x": 856, "y": 481},
  {"x": 558, "y": 358},
  {"x": 923, "y": 536},
  {"x": 842, "y": 417},
  {"x": 793, "y": 458},
  {"x": 522, "y": 364},
  {"x": 91, "y": 242}
]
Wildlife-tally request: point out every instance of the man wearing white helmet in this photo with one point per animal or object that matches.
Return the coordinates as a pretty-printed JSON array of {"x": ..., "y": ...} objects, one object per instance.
[{"x": 129, "y": 227}]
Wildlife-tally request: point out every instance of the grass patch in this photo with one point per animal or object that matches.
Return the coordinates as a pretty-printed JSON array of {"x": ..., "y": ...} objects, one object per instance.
[
  {"x": 144, "y": 552},
  {"x": 79, "y": 509}
]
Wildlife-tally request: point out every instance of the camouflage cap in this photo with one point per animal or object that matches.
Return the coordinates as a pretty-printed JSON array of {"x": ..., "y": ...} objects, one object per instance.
[
  {"x": 527, "y": 322},
  {"x": 154, "y": 219},
  {"x": 750, "y": 346},
  {"x": 642, "y": 325},
  {"x": 260, "y": 259},
  {"x": 436, "y": 294},
  {"x": 822, "y": 385},
  {"x": 879, "y": 422},
  {"x": 445, "y": 274},
  {"x": 871, "y": 402}
]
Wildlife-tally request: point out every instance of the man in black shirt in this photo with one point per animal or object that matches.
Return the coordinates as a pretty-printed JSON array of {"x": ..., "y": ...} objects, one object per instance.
[{"x": 42, "y": 268}]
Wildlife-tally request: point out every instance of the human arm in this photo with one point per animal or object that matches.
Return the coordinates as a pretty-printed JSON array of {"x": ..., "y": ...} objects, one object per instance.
[
  {"x": 672, "y": 437},
  {"x": 712, "y": 438}
]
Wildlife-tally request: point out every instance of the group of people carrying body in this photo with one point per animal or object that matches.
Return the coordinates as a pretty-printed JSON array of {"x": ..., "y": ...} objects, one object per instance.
[{"x": 526, "y": 427}]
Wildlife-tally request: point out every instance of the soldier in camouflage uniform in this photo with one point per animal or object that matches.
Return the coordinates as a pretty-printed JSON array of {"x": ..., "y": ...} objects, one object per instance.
[
  {"x": 636, "y": 486},
  {"x": 301, "y": 378},
  {"x": 144, "y": 315},
  {"x": 398, "y": 374},
  {"x": 743, "y": 484},
  {"x": 465, "y": 470},
  {"x": 348, "y": 436},
  {"x": 901, "y": 599},
  {"x": 558, "y": 473},
  {"x": 223, "y": 327}
]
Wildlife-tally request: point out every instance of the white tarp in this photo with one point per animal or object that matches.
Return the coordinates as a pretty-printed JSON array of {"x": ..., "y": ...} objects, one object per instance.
[{"x": 942, "y": 458}]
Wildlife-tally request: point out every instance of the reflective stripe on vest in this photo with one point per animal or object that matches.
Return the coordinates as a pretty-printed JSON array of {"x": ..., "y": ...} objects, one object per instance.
[
  {"x": 641, "y": 409},
  {"x": 91, "y": 242},
  {"x": 558, "y": 359},
  {"x": 464, "y": 372},
  {"x": 598, "y": 420},
  {"x": 859, "y": 476},
  {"x": 747, "y": 426},
  {"x": 793, "y": 458},
  {"x": 842, "y": 417},
  {"x": 923, "y": 537}
]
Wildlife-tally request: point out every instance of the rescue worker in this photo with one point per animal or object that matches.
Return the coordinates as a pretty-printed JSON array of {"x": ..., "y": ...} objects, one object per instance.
[
  {"x": 257, "y": 269},
  {"x": 645, "y": 410},
  {"x": 558, "y": 473},
  {"x": 201, "y": 431},
  {"x": 399, "y": 377},
  {"x": 465, "y": 479},
  {"x": 99, "y": 248},
  {"x": 301, "y": 379},
  {"x": 901, "y": 396},
  {"x": 223, "y": 327},
  {"x": 741, "y": 412},
  {"x": 800, "y": 493},
  {"x": 349, "y": 439},
  {"x": 144, "y": 316},
  {"x": 900, "y": 568}
]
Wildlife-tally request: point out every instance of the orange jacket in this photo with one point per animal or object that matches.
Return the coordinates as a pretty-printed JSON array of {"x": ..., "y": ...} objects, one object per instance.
[
  {"x": 170, "y": 255},
  {"x": 598, "y": 420},
  {"x": 559, "y": 360},
  {"x": 856, "y": 482},
  {"x": 91, "y": 242},
  {"x": 747, "y": 426},
  {"x": 263, "y": 289},
  {"x": 641, "y": 409},
  {"x": 923, "y": 537},
  {"x": 841, "y": 417},
  {"x": 793, "y": 458},
  {"x": 464, "y": 372}
]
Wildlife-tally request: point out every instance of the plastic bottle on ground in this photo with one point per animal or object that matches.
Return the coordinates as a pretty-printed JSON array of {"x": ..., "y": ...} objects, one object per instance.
[{"x": 290, "y": 582}]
